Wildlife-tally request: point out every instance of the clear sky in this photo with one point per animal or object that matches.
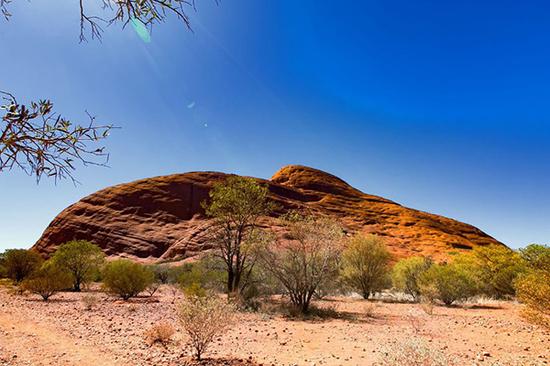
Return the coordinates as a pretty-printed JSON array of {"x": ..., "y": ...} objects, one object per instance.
[{"x": 441, "y": 106}]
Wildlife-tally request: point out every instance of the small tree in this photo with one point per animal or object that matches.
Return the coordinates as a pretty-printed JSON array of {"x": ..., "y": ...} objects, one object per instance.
[
  {"x": 235, "y": 206},
  {"x": 81, "y": 259},
  {"x": 126, "y": 278},
  {"x": 203, "y": 318},
  {"x": 47, "y": 281},
  {"x": 309, "y": 259},
  {"x": 406, "y": 274},
  {"x": 365, "y": 265},
  {"x": 20, "y": 263},
  {"x": 448, "y": 283}
]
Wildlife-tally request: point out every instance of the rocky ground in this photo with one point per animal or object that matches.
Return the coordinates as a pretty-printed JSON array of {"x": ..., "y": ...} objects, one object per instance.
[{"x": 61, "y": 332}]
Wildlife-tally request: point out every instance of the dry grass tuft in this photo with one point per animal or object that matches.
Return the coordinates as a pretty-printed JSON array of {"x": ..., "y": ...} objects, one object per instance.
[
  {"x": 161, "y": 333},
  {"x": 89, "y": 302}
]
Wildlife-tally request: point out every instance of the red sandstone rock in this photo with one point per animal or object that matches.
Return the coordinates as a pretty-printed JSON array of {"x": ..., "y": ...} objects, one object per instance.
[{"x": 162, "y": 218}]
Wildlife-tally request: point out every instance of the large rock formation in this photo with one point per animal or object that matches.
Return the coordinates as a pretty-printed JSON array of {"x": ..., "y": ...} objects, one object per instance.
[{"x": 162, "y": 217}]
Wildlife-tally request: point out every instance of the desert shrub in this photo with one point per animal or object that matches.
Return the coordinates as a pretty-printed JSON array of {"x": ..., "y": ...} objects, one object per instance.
[
  {"x": 414, "y": 352},
  {"x": 495, "y": 268},
  {"x": 406, "y": 274},
  {"x": 21, "y": 263},
  {"x": 162, "y": 273},
  {"x": 533, "y": 288},
  {"x": 3, "y": 270},
  {"x": 536, "y": 257},
  {"x": 161, "y": 333},
  {"x": 126, "y": 278},
  {"x": 448, "y": 283},
  {"x": 206, "y": 274},
  {"x": 308, "y": 259},
  {"x": 203, "y": 319},
  {"x": 81, "y": 259},
  {"x": 365, "y": 264},
  {"x": 89, "y": 301},
  {"x": 47, "y": 281}
]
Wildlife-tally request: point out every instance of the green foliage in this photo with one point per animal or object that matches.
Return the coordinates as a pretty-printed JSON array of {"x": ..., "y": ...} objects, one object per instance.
[
  {"x": 365, "y": 264},
  {"x": 533, "y": 287},
  {"x": 200, "y": 276},
  {"x": 406, "y": 274},
  {"x": 309, "y": 258},
  {"x": 494, "y": 267},
  {"x": 536, "y": 256},
  {"x": 21, "y": 263},
  {"x": 448, "y": 283},
  {"x": 162, "y": 273},
  {"x": 235, "y": 206},
  {"x": 42, "y": 143},
  {"x": 126, "y": 278},
  {"x": 47, "y": 280},
  {"x": 81, "y": 259}
]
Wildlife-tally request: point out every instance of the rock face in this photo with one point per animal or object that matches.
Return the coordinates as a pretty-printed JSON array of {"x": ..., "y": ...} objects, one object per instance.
[{"x": 162, "y": 219}]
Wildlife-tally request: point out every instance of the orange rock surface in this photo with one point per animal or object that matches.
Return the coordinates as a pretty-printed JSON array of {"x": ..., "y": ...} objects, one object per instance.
[{"x": 161, "y": 218}]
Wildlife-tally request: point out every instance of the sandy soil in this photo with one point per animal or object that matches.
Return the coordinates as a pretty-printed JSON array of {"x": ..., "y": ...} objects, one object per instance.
[{"x": 61, "y": 332}]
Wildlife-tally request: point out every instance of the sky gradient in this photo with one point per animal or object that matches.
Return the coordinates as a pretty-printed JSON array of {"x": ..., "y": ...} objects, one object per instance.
[{"x": 442, "y": 107}]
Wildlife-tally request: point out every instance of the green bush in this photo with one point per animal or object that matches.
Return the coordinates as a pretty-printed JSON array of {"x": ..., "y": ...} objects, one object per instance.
[
  {"x": 162, "y": 273},
  {"x": 406, "y": 275},
  {"x": 126, "y": 278},
  {"x": 21, "y": 263},
  {"x": 206, "y": 273},
  {"x": 536, "y": 257},
  {"x": 495, "y": 268},
  {"x": 81, "y": 259},
  {"x": 47, "y": 281},
  {"x": 448, "y": 283},
  {"x": 365, "y": 264},
  {"x": 533, "y": 288}
]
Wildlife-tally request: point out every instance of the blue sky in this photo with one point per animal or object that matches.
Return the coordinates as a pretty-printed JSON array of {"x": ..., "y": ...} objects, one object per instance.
[{"x": 441, "y": 106}]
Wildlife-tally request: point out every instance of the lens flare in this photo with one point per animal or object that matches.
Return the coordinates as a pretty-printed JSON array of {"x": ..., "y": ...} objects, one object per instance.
[{"x": 141, "y": 30}]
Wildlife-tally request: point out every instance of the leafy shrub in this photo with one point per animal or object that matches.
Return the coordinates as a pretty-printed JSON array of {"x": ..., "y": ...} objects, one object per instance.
[
  {"x": 536, "y": 257},
  {"x": 160, "y": 333},
  {"x": 308, "y": 260},
  {"x": 126, "y": 278},
  {"x": 21, "y": 263},
  {"x": 203, "y": 319},
  {"x": 406, "y": 274},
  {"x": 89, "y": 301},
  {"x": 162, "y": 273},
  {"x": 414, "y": 352},
  {"x": 81, "y": 259},
  {"x": 448, "y": 283},
  {"x": 205, "y": 274},
  {"x": 366, "y": 264},
  {"x": 495, "y": 268},
  {"x": 46, "y": 281},
  {"x": 533, "y": 288}
]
